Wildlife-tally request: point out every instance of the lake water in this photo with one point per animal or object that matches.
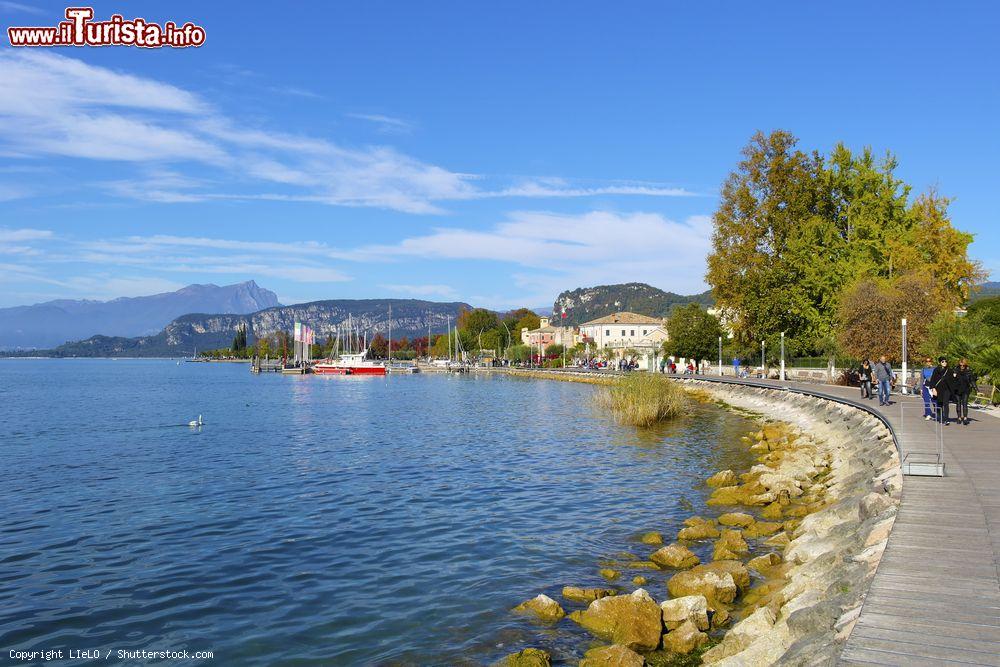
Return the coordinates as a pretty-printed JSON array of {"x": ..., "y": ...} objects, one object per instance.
[{"x": 322, "y": 520}]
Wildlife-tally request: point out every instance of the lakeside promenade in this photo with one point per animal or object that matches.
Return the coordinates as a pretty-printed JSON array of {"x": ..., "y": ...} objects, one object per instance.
[{"x": 935, "y": 598}]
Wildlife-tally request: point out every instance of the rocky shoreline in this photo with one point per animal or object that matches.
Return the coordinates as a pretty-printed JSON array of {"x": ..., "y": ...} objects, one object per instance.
[{"x": 816, "y": 509}]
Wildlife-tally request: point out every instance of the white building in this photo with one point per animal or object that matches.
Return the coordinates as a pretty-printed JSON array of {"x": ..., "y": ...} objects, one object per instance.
[{"x": 622, "y": 331}]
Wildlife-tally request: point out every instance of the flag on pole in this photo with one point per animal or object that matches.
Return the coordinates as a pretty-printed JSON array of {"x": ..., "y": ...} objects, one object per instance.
[{"x": 298, "y": 332}]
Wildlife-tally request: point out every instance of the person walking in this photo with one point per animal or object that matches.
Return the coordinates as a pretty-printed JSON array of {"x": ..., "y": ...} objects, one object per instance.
[
  {"x": 866, "y": 377},
  {"x": 925, "y": 388},
  {"x": 943, "y": 388},
  {"x": 965, "y": 384},
  {"x": 883, "y": 375}
]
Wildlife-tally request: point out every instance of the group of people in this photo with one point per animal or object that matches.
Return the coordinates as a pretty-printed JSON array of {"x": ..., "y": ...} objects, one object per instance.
[
  {"x": 943, "y": 385},
  {"x": 940, "y": 386},
  {"x": 879, "y": 376}
]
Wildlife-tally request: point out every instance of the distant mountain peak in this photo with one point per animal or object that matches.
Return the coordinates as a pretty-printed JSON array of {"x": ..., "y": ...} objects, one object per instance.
[{"x": 46, "y": 325}]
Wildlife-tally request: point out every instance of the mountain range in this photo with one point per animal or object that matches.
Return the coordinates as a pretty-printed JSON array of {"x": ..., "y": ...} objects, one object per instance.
[
  {"x": 48, "y": 324},
  {"x": 588, "y": 303},
  {"x": 188, "y": 333}
]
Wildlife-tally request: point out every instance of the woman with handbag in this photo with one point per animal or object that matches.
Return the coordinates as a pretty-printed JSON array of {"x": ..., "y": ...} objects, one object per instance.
[{"x": 943, "y": 388}]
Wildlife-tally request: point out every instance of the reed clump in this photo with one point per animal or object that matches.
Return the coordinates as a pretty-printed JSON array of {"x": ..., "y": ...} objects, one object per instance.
[{"x": 642, "y": 399}]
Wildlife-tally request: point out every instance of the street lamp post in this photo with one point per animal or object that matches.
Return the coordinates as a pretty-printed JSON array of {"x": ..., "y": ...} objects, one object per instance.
[
  {"x": 763, "y": 371},
  {"x": 782, "y": 356},
  {"x": 720, "y": 356},
  {"x": 904, "y": 358}
]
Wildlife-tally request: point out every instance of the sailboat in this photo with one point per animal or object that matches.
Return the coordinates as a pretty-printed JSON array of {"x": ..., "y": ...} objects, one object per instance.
[{"x": 352, "y": 363}]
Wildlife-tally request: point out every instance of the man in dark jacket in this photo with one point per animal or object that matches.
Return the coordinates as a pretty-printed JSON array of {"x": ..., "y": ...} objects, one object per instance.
[{"x": 942, "y": 388}]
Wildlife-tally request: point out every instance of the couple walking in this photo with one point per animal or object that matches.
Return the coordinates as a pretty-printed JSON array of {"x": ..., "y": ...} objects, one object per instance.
[
  {"x": 942, "y": 385},
  {"x": 879, "y": 375}
]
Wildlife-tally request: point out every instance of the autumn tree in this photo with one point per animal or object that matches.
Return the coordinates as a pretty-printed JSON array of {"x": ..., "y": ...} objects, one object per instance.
[{"x": 871, "y": 313}]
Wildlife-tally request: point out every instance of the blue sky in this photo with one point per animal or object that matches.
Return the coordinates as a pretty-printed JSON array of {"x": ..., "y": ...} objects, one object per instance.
[{"x": 492, "y": 153}]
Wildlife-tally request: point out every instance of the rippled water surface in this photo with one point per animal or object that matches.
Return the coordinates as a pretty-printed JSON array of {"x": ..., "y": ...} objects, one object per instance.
[{"x": 321, "y": 520}]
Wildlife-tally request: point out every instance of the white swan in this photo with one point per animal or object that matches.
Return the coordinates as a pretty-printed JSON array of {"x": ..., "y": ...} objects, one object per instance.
[{"x": 198, "y": 422}]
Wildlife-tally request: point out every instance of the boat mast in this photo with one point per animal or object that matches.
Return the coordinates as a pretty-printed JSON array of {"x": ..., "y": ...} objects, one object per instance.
[{"x": 390, "y": 334}]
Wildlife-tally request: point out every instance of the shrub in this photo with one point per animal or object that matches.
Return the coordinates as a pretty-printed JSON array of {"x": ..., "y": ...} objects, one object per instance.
[{"x": 642, "y": 399}]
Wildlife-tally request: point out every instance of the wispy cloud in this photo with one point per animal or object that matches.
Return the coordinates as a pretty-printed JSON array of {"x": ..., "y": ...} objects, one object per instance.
[
  {"x": 189, "y": 151},
  {"x": 384, "y": 123}
]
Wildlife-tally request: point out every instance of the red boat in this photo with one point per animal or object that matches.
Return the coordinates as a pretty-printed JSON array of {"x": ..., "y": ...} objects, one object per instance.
[{"x": 350, "y": 364}]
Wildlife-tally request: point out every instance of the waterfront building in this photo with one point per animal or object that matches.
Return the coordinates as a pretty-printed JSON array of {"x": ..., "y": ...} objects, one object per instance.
[
  {"x": 627, "y": 331},
  {"x": 548, "y": 334}
]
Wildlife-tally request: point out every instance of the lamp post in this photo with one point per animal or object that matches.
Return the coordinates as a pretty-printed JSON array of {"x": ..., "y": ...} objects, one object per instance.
[
  {"x": 763, "y": 372},
  {"x": 904, "y": 390},
  {"x": 720, "y": 356},
  {"x": 782, "y": 356}
]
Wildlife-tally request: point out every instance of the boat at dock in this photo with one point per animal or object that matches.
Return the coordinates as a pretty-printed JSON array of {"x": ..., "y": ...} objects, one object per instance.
[{"x": 350, "y": 364}]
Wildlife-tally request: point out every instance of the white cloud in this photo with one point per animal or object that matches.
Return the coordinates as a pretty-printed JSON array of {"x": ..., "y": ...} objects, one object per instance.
[
  {"x": 384, "y": 123},
  {"x": 54, "y": 105}
]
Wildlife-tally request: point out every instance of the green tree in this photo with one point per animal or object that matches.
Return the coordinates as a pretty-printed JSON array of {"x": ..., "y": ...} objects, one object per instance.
[
  {"x": 694, "y": 333},
  {"x": 794, "y": 232},
  {"x": 554, "y": 350}
]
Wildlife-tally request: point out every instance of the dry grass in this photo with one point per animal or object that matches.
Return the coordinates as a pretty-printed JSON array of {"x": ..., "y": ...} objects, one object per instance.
[{"x": 642, "y": 399}]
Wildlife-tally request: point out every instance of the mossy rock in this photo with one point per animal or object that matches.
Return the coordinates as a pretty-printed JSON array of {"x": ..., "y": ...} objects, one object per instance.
[
  {"x": 633, "y": 620},
  {"x": 722, "y": 478},
  {"x": 615, "y": 655},
  {"x": 761, "y": 529},
  {"x": 542, "y": 606},
  {"x": 651, "y": 537},
  {"x": 739, "y": 519},
  {"x": 529, "y": 657},
  {"x": 702, "y": 531},
  {"x": 640, "y": 580},
  {"x": 772, "y": 511},
  {"x": 609, "y": 573},
  {"x": 730, "y": 546},
  {"x": 674, "y": 556},
  {"x": 577, "y": 594}
]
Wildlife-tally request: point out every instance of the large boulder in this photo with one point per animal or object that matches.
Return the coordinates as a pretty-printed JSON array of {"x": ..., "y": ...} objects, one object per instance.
[
  {"x": 692, "y": 608},
  {"x": 874, "y": 504},
  {"x": 738, "y": 519},
  {"x": 674, "y": 556},
  {"x": 701, "y": 531},
  {"x": 542, "y": 606},
  {"x": 577, "y": 594},
  {"x": 741, "y": 635},
  {"x": 724, "y": 478},
  {"x": 529, "y": 657},
  {"x": 684, "y": 639},
  {"x": 612, "y": 656},
  {"x": 763, "y": 563},
  {"x": 730, "y": 546},
  {"x": 761, "y": 529},
  {"x": 715, "y": 587},
  {"x": 634, "y": 621}
]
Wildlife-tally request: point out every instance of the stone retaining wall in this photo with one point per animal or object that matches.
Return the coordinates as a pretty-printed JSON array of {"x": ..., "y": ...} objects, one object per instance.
[{"x": 833, "y": 553}]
